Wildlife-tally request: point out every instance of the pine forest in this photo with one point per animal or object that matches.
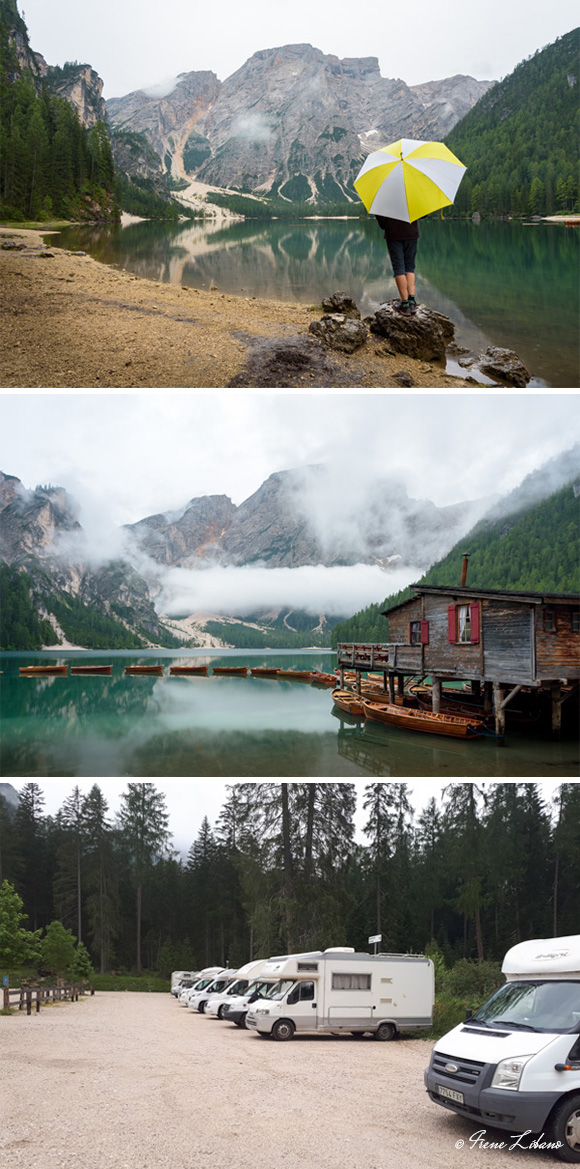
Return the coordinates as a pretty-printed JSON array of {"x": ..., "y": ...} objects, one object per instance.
[{"x": 470, "y": 872}]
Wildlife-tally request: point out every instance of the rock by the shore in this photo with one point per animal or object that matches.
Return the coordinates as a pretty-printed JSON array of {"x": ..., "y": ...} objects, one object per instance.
[
  {"x": 424, "y": 334},
  {"x": 340, "y": 332},
  {"x": 339, "y": 302},
  {"x": 504, "y": 365}
]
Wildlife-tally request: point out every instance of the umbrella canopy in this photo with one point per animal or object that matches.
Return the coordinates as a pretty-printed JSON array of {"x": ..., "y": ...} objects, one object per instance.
[{"x": 409, "y": 179}]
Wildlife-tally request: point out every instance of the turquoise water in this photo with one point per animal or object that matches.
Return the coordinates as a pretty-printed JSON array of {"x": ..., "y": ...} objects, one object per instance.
[
  {"x": 149, "y": 727},
  {"x": 508, "y": 284}
]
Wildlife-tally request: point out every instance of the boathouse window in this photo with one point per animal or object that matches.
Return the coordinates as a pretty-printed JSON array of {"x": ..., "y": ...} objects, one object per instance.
[
  {"x": 549, "y": 621},
  {"x": 463, "y": 623},
  {"x": 419, "y": 633}
]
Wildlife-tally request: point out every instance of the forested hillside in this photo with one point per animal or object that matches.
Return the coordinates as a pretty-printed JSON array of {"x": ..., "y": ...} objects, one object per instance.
[
  {"x": 50, "y": 164},
  {"x": 520, "y": 141},
  {"x": 537, "y": 550},
  {"x": 471, "y": 873}
]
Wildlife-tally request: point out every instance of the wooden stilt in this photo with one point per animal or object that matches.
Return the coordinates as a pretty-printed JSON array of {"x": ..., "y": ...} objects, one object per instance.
[
  {"x": 436, "y": 695},
  {"x": 499, "y": 710},
  {"x": 392, "y": 689},
  {"x": 400, "y": 685},
  {"x": 487, "y": 697},
  {"x": 556, "y": 710}
]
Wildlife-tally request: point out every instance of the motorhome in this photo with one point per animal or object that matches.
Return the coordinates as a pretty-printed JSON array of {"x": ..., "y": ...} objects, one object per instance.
[
  {"x": 179, "y": 976},
  {"x": 204, "y": 978},
  {"x": 515, "y": 1063},
  {"x": 217, "y": 1004},
  {"x": 238, "y": 1007},
  {"x": 340, "y": 990},
  {"x": 199, "y": 995}
]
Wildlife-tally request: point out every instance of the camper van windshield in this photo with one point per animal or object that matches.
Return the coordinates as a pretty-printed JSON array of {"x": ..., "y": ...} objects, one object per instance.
[
  {"x": 279, "y": 989},
  {"x": 533, "y": 1006}
]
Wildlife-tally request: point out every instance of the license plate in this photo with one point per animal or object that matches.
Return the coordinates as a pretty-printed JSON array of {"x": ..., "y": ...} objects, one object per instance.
[{"x": 450, "y": 1094}]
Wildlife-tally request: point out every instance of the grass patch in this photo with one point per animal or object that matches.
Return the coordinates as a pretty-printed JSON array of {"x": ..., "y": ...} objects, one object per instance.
[{"x": 143, "y": 982}]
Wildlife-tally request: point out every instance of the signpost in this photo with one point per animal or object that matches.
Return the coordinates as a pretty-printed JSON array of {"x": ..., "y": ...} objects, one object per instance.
[{"x": 375, "y": 939}]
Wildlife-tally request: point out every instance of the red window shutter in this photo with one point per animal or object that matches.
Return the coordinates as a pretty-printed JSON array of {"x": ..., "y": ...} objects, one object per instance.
[
  {"x": 474, "y": 614},
  {"x": 424, "y": 633},
  {"x": 451, "y": 623}
]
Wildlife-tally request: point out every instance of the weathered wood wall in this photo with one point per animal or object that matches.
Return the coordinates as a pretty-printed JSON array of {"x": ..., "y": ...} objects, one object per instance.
[{"x": 508, "y": 641}]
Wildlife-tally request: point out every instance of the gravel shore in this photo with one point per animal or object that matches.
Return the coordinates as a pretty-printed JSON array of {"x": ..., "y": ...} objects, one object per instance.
[
  {"x": 135, "y": 1081},
  {"x": 72, "y": 322}
]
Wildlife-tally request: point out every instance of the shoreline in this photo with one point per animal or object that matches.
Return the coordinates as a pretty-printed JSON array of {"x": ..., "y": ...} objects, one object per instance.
[{"x": 72, "y": 322}]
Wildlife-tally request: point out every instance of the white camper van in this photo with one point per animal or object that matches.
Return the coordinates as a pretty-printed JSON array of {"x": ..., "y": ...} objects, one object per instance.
[
  {"x": 239, "y": 1005},
  {"x": 204, "y": 978},
  {"x": 342, "y": 991},
  {"x": 217, "y": 1004},
  {"x": 515, "y": 1063},
  {"x": 179, "y": 976},
  {"x": 199, "y": 995}
]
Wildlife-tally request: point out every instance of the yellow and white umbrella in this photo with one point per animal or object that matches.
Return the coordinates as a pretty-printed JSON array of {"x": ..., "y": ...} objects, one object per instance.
[{"x": 409, "y": 179}]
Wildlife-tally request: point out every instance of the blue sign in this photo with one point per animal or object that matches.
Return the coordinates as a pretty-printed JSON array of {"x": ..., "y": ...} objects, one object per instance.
[{"x": 5, "y": 980}]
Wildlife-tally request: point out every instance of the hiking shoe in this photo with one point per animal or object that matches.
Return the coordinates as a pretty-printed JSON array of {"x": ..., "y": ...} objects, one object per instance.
[
  {"x": 403, "y": 307},
  {"x": 412, "y": 304}
]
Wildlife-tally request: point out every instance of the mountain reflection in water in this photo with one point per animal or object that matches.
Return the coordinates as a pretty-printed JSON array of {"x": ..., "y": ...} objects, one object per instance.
[
  {"x": 146, "y": 726},
  {"x": 493, "y": 279}
]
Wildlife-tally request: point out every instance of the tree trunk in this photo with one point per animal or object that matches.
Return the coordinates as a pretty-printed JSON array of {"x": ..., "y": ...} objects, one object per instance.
[
  {"x": 478, "y": 935},
  {"x": 288, "y": 882},
  {"x": 139, "y": 901}
]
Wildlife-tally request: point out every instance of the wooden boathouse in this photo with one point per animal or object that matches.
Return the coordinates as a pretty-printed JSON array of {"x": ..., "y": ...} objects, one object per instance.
[{"x": 499, "y": 641}]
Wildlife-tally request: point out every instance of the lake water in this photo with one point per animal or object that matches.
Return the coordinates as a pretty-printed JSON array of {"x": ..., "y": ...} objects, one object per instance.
[
  {"x": 153, "y": 727},
  {"x": 508, "y": 284}
]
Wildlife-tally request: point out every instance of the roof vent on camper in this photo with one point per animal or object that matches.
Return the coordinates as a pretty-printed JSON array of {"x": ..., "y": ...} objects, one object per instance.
[{"x": 340, "y": 950}]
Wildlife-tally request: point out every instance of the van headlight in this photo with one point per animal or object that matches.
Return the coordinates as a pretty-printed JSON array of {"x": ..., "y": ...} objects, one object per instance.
[
  {"x": 508, "y": 1072},
  {"x": 262, "y": 1011}
]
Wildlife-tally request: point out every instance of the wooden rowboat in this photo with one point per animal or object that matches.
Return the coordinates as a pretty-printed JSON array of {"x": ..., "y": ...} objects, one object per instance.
[
  {"x": 295, "y": 675},
  {"x": 264, "y": 671},
  {"x": 349, "y": 702},
  {"x": 421, "y": 720},
  {"x": 33, "y": 671},
  {"x": 188, "y": 669},
  {"x": 91, "y": 669},
  {"x": 241, "y": 671},
  {"x": 158, "y": 670},
  {"x": 318, "y": 678}
]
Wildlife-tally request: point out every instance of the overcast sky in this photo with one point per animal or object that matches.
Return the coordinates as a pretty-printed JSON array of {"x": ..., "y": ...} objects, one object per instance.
[
  {"x": 189, "y": 800},
  {"x": 126, "y": 456},
  {"x": 135, "y": 43}
]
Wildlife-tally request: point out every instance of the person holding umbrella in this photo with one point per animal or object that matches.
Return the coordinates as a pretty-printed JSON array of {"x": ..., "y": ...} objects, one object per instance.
[
  {"x": 400, "y": 184},
  {"x": 401, "y": 240}
]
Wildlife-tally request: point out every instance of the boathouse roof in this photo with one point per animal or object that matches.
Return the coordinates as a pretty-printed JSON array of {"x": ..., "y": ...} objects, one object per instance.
[{"x": 458, "y": 591}]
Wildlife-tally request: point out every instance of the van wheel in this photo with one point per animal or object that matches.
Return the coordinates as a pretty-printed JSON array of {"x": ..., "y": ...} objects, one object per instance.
[
  {"x": 201, "y": 1007},
  {"x": 565, "y": 1128},
  {"x": 221, "y": 1008},
  {"x": 385, "y": 1031},
  {"x": 283, "y": 1029},
  {"x": 242, "y": 1023}
]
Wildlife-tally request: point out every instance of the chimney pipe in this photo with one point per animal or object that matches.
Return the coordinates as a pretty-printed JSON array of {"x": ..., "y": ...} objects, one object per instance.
[{"x": 466, "y": 556}]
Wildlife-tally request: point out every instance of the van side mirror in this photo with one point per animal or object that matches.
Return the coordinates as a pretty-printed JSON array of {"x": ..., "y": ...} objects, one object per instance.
[{"x": 468, "y": 1014}]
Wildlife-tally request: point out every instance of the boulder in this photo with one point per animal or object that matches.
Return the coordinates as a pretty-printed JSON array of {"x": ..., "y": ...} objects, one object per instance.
[
  {"x": 504, "y": 365},
  {"x": 339, "y": 302},
  {"x": 424, "y": 334},
  {"x": 339, "y": 332}
]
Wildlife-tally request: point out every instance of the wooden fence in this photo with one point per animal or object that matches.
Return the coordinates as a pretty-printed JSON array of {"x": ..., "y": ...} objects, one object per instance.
[{"x": 41, "y": 995}]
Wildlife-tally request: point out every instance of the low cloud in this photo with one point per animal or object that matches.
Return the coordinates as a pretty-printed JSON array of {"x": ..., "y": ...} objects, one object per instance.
[
  {"x": 336, "y": 592},
  {"x": 253, "y": 127}
]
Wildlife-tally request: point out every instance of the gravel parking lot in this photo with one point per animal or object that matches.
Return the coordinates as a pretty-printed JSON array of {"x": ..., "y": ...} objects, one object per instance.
[{"x": 135, "y": 1081}]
